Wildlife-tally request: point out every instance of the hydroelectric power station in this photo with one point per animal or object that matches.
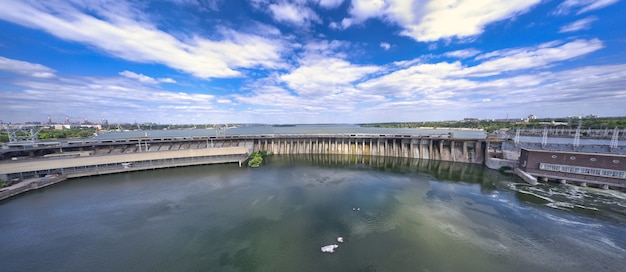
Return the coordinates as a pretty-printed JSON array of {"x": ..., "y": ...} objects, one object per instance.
[{"x": 45, "y": 163}]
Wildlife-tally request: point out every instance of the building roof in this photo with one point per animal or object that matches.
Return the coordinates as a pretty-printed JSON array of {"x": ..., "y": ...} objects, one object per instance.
[{"x": 575, "y": 152}]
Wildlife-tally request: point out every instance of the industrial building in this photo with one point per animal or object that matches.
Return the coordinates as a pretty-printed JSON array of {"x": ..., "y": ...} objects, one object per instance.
[{"x": 602, "y": 169}]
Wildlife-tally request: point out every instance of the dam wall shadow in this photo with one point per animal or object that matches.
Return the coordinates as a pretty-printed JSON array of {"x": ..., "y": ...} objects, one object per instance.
[{"x": 440, "y": 170}]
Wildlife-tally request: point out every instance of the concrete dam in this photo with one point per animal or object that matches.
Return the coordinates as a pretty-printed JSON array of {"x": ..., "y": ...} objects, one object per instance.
[
  {"x": 41, "y": 159},
  {"x": 36, "y": 165},
  {"x": 442, "y": 149}
]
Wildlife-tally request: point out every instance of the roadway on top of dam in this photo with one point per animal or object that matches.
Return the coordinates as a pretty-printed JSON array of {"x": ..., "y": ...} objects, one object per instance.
[{"x": 297, "y": 130}]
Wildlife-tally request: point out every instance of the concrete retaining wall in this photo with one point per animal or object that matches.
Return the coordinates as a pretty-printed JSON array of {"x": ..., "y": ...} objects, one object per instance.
[
  {"x": 525, "y": 176},
  {"x": 43, "y": 164},
  {"x": 29, "y": 185}
]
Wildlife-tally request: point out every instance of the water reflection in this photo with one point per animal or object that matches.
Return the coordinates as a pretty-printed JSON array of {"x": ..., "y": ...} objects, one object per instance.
[
  {"x": 607, "y": 204},
  {"x": 442, "y": 170},
  {"x": 413, "y": 215}
]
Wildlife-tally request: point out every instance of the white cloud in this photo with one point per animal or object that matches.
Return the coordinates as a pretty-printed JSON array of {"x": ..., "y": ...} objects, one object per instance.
[
  {"x": 447, "y": 19},
  {"x": 322, "y": 81},
  {"x": 570, "y": 91},
  {"x": 321, "y": 84},
  {"x": 271, "y": 96},
  {"x": 426, "y": 80},
  {"x": 573, "y": 91},
  {"x": 325, "y": 48},
  {"x": 362, "y": 10},
  {"x": 326, "y": 85},
  {"x": 200, "y": 4},
  {"x": 26, "y": 68},
  {"x": 439, "y": 19},
  {"x": 329, "y": 4},
  {"x": 319, "y": 76},
  {"x": 95, "y": 97},
  {"x": 123, "y": 32},
  {"x": 587, "y": 84},
  {"x": 545, "y": 54},
  {"x": 346, "y": 22},
  {"x": 263, "y": 29},
  {"x": 293, "y": 13},
  {"x": 578, "y": 25},
  {"x": 166, "y": 80},
  {"x": 583, "y": 5},
  {"x": 281, "y": 105},
  {"x": 146, "y": 79},
  {"x": 110, "y": 89},
  {"x": 463, "y": 54},
  {"x": 421, "y": 92},
  {"x": 415, "y": 82}
]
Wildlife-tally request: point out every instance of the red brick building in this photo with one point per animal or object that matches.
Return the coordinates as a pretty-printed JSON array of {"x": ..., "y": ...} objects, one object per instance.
[{"x": 603, "y": 169}]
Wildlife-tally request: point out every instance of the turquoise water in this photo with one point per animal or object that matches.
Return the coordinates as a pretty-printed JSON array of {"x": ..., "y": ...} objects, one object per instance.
[{"x": 413, "y": 216}]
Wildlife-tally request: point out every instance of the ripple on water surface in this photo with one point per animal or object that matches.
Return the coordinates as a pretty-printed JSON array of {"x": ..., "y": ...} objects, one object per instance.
[{"x": 276, "y": 218}]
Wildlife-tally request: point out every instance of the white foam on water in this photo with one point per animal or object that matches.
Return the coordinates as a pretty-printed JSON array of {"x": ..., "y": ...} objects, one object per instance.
[
  {"x": 585, "y": 207},
  {"x": 536, "y": 195},
  {"x": 329, "y": 248},
  {"x": 612, "y": 244},
  {"x": 560, "y": 204},
  {"x": 564, "y": 221}
]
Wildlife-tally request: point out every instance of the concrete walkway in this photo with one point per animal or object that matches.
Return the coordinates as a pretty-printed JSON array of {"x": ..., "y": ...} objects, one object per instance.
[{"x": 59, "y": 163}]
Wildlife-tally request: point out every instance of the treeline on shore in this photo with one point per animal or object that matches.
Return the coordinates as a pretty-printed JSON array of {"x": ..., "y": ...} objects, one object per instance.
[
  {"x": 486, "y": 125},
  {"x": 56, "y": 134},
  {"x": 494, "y": 125}
]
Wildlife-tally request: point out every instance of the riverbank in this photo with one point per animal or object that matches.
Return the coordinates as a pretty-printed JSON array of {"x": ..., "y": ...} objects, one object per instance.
[{"x": 29, "y": 185}]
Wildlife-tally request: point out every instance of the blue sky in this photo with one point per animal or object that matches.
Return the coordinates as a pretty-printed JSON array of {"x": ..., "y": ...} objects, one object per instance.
[{"x": 310, "y": 61}]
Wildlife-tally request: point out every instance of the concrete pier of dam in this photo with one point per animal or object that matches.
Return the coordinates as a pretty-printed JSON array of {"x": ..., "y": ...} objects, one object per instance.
[
  {"x": 455, "y": 150},
  {"x": 86, "y": 157}
]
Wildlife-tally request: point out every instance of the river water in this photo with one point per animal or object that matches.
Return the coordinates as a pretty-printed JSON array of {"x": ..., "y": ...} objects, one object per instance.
[{"x": 394, "y": 214}]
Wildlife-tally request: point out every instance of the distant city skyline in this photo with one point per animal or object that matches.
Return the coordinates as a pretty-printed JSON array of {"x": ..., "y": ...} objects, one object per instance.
[
  {"x": 310, "y": 61},
  {"x": 69, "y": 120}
]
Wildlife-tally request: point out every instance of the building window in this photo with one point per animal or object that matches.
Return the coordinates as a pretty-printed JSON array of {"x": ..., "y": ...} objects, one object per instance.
[
  {"x": 615, "y": 161},
  {"x": 554, "y": 156},
  {"x": 583, "y": 170},
  {"x": 572, "y": 158}
]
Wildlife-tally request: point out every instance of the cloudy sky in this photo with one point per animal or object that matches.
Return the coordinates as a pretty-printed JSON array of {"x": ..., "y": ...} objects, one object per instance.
[{"x": 310, "y": 61}]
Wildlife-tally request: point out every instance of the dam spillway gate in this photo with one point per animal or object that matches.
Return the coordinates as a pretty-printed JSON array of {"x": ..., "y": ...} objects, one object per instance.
[{"x": 443, "y": 149}]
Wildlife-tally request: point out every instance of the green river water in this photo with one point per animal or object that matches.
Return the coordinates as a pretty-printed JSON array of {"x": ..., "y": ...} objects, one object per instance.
[{"x": 394, "y": 214}]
